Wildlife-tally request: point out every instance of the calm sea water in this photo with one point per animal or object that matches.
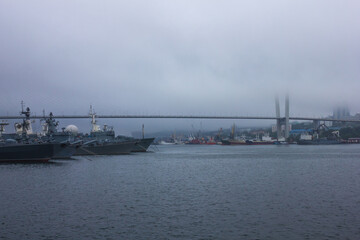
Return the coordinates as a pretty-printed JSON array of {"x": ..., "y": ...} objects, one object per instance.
[{"x": 187, "y": 192}]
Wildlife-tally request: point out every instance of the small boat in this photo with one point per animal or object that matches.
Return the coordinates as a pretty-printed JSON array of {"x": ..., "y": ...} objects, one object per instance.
[{"x": 162, "y": 142}]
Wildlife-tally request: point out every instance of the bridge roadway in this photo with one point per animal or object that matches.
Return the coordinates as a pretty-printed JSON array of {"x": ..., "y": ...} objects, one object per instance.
[{"x": 183, "y": 117}]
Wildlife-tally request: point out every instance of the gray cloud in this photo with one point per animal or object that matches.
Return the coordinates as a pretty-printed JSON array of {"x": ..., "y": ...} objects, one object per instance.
[{"x": 186, "y": 57}]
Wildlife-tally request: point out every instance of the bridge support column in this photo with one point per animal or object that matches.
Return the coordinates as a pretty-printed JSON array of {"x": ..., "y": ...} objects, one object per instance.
[
  {"x": 287, "y": 124},
  {"x": 278, "y": 129},
  {"x": 282, "y": 122},
  {"x": 316, "y": 124},
  {"x": 278, "y": 120}
]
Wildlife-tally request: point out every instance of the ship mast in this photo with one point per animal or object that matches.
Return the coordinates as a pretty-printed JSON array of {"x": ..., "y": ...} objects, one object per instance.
[
  {"x": 26, "y": 124},
  {"x": 95, "y": 127}
]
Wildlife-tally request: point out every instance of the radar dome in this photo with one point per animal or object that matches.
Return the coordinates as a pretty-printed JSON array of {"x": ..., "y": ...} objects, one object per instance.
[{"x": 71, "y": 129}]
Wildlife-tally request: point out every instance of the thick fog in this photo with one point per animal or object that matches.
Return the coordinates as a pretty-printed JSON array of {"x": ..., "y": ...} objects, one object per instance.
[{"x": 184, "y": 57}]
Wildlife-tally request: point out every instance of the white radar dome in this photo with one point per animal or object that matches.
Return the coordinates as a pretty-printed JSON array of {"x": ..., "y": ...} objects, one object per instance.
[{"x": 71, "y": 129}]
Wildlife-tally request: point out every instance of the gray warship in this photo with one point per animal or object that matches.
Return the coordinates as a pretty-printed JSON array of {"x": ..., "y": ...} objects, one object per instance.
[
  {"x": 105, "y": 148},
  {"x": 24, "y": 148},
  {"x": 101, "y": 141},
  {"x": 107, "y": 134},
  {"x": 52, "y": 135},
  {"x": 142, "y": 144},
  {"x": 12, "y": 151}
]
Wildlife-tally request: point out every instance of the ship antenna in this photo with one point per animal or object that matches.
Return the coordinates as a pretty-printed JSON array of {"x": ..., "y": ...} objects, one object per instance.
[
  {"x": 92, "y": 115},
  {"x": 26, "y": 121},
  {"x": 22, "y": 106},
  {"x": 95, "y": 128}
]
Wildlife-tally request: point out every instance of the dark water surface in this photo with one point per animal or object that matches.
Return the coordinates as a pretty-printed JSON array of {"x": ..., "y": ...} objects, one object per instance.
[{"x": 187, "y": 192}]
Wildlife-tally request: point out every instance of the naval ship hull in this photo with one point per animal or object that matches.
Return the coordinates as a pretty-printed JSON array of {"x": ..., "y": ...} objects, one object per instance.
[
  {"x": 27, "y": 152},
  {"x": 143, "y": 144},
  {"x": 111, "y": 148},
  {"x": 64, "y": 151}
]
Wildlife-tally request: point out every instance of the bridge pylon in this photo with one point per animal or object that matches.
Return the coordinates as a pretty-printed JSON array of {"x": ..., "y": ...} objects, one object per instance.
[{"x": 282, "y": 123}]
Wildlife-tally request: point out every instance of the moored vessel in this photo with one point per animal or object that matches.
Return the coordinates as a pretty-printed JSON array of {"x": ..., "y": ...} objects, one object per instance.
[
  {"x": 25, "y": 149},
  {"x": 103, "y": 142},
  {"x": 105, "y": 148},
  {"x": 142, "y": 144},
  {"x": 66, "y": 145},
  {"x": 19, "y": 152},
  {"x": 320, "y": 141},
  {"x": 307, "y": 139},
  {"x": 24, "y": 145},
  {"x": 265, "y": 140}
]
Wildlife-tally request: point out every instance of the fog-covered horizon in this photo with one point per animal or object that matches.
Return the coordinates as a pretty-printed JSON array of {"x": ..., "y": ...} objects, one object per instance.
[{"x": 201, "y": 57}]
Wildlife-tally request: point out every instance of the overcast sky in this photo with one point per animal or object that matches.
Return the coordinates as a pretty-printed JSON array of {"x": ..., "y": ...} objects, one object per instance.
[{"x": 179, "y": 57}]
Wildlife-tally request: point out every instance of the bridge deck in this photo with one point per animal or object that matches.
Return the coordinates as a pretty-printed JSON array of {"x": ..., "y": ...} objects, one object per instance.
[{"x": 183, "y": 117}]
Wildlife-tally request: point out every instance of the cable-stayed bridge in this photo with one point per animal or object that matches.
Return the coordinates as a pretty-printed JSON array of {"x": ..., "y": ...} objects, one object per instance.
[
  {"x": 281, "y": 122},
  {"x": 7, "y": 117}
]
